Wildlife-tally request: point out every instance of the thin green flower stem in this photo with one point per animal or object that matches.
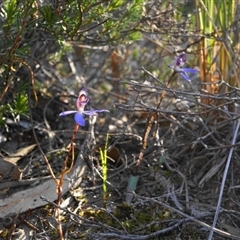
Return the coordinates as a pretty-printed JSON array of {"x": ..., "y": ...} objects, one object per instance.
[{"x": 103, "y": 155}]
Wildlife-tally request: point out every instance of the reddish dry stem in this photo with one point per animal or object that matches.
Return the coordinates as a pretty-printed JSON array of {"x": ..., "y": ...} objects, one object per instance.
[
  {"x": 152, "y": 117},
  {"x": 65, "y": 170}
]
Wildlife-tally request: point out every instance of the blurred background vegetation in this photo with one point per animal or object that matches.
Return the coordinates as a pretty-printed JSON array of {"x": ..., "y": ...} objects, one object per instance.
[{"x": 99, "y": 43}]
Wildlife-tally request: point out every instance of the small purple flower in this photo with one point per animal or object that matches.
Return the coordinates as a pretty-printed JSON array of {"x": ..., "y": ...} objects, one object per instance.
[
  {"x": 178, "y": 67},
  {"x": 181, "y": 60},
  {"x": 81, "y": 103}
]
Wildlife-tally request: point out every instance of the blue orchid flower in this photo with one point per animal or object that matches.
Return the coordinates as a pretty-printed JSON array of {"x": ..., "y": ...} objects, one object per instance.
[
  {"x": 178, "y": 67},
  {"x": 81, "y": 103}
]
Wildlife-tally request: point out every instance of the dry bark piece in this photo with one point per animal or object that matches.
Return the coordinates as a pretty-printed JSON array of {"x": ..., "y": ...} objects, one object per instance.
[
  {"x": 22, "y": 183},
  {"x": 8, "y": 167},
  {"x": 9, "y": 170},
  {"x": 31, "y": 198}
]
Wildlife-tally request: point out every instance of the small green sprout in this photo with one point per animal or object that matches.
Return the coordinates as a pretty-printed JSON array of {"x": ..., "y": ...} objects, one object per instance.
[{"x": 103, "y": 156}]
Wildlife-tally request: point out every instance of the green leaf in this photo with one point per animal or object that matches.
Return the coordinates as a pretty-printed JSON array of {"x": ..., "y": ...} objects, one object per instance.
[
  {"x": 48, "y": 14},
  {"x": 10, "y": 8},
  {"x": 20, "y": 104}
]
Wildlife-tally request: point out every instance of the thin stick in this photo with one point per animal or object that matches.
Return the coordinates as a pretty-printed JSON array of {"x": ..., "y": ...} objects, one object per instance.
[
  {"x": 235, "y": 130},
  {"x": 151, "y": 118},
  {"x": 31, "y": 81}
]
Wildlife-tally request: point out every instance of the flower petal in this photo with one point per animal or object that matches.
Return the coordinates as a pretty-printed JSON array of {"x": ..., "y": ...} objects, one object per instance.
[
  {"x": 66, "y": 113},
  {"x": 190, "y": 70},
  {"x": 79, "y": 119},
  {"x": 94, "y": 112},
  {"x": 185, "y": 76}
]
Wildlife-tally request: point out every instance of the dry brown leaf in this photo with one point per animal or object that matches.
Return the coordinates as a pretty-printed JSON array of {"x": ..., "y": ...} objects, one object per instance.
[
  {"x": 21, "y": 152},
  {"x": 8, "y": 167}
]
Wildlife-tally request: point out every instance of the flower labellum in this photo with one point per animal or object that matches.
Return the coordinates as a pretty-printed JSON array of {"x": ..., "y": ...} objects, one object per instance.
[
  {"x": 181, "y": 60},
  {"x": 82, "y": 99}
]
